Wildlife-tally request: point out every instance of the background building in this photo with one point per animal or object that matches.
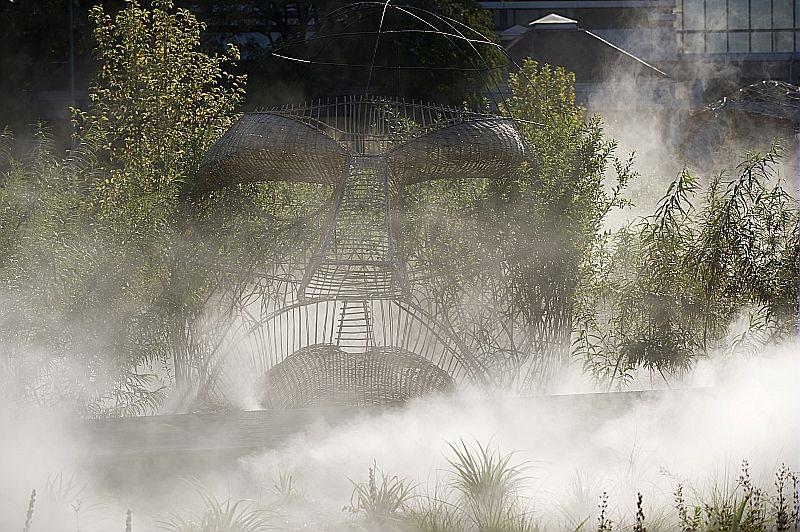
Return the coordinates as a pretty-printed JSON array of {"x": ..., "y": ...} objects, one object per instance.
[
  {"x": 707, "y": 48},
  {"x": 715, "y": 46},
  {"x": 607, "y": 77}
]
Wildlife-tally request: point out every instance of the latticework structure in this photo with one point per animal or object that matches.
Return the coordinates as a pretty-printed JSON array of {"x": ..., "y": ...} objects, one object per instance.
[
  {"x": 344, "y": 326},
  {"x": 774, "y": 99},
  {"x": 750, "y": 118},
  {"x": 347, "y": 329},
  {"x": 366, "y": 148},
  {"x": 319, "y": 375}
]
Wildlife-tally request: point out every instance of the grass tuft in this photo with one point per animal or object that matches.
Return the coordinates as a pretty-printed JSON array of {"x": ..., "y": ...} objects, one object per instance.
[
  {"x": 380, "y": 501},
  {"x": 219, "y": 516}
]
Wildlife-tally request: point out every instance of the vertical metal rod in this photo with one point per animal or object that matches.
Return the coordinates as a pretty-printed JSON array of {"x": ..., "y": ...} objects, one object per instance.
[{"x": 72, "y": 53}]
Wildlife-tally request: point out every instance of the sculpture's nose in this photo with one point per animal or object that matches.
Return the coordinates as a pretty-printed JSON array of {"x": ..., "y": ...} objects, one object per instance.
[{"x": 356, "y": 258}]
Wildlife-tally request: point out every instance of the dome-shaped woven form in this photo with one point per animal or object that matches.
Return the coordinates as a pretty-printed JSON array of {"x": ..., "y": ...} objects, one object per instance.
[
  {"x": 312, "y": 142},
  {"x": 324, "y": 375}
]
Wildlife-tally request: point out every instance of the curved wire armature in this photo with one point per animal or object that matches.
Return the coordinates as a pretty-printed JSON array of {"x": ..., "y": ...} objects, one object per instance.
[
  {"x": 322, "y": 48},
  {"x": 353, "y": 296}
]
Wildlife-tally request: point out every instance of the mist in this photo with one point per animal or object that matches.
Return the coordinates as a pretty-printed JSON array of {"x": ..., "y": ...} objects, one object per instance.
[
  {"x": 572, "y": 448},
  {"x": 624, "y": 359}
]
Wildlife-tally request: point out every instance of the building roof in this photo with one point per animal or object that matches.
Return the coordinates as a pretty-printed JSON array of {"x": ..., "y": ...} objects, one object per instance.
[
  {"x": 558, "y": 41},
  {"x": 511, "y": 33},
  {"x": 553, "y": 21}
]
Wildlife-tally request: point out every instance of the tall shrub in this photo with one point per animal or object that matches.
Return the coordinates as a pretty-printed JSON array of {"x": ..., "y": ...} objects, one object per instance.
[
  {"x": 94, "y": 278},
  {"x": 504, "y": 256},
  {"x": 679, "y": 281}
]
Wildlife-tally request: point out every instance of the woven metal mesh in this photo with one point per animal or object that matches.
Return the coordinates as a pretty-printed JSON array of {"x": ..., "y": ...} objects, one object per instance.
[
  {"x": 323, "y": 375},
  {"x": 349, "y": 331},
  {"x": 356, "y": 258},
  {"x": 363, "y": 146},
  {"x": 263, "y": 337},
  {"x": 270, "y": 147},
  {"x": 311, "y": 143}
]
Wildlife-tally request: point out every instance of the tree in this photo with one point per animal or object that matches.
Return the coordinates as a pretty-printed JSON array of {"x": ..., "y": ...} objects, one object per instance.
[
  {"x": 339, "y": 49},
  {"x": 507, "y": 257},
  {"x": 678, "y": 281},
  {"x": 94, "y": 269}
]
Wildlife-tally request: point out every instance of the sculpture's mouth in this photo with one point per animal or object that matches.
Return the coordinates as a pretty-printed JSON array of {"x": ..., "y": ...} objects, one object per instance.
[{"x": 325, "y": 375}]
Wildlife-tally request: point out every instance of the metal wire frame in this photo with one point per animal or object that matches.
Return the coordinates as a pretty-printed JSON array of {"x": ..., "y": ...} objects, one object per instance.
[
  {"x": 365, "y": 147},
  {"x": 774, "y": 99},
  {"x": 266, "y": 327},
  {"x": 464, "y": 39},
  {"x": 311, "y": 142},
  {"x": 352, "y": 327},
  {"x": 270, "y": 332},
  {"x": 378, "y": 376},
  {"x": 752, "y": 116},
  {"x": 356, "y": 258}
]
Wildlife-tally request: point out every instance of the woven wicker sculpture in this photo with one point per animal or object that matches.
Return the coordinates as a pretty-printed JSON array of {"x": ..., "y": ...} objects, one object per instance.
[{"x": 350, "y": 332}]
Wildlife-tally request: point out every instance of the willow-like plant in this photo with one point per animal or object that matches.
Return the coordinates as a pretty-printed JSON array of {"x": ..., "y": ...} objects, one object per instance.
[{"x": 677, "y": 281}]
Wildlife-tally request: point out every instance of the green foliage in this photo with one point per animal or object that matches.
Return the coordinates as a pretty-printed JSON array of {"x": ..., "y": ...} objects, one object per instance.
[
  {"x": 219, "y": 516},
  {"x": 483, "y": 496},
  {"x": 452, "y": 85},
  {"x": 157, "y": 105},
  {"x": 380, "y": 502},
  {"x": 507, "y": 256},
  {"x": 675, "y": 283},
  {"x": 93, "y": 267},
  {"x": 433, "y": 513},
  {"x": 488, "y": 487},
  {"x": 743, "y": 506}
]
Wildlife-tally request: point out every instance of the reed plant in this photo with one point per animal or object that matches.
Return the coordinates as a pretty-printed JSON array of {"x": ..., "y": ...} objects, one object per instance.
[
  {"x": 382, "y": 499},
  {"x": 219, "y": 516}
]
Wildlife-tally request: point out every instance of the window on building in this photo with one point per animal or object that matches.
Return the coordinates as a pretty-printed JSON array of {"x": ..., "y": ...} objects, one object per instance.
[
  {"x": 782, "y": 41},
  {"x": 716, "y": 43},
  {"x": 739, "y": 14},
  {"x": 760, "y": 42},
  {"x": 740, "y": 26},
  {"x": 693, "y": 15},
  {"x": 738, "y": 42},
  {"x": 760, "y": 14},
  {"x": 716, "y": 15},
  {"x": 782, "y": 14},
  {"x": 694, "y": 42}
]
